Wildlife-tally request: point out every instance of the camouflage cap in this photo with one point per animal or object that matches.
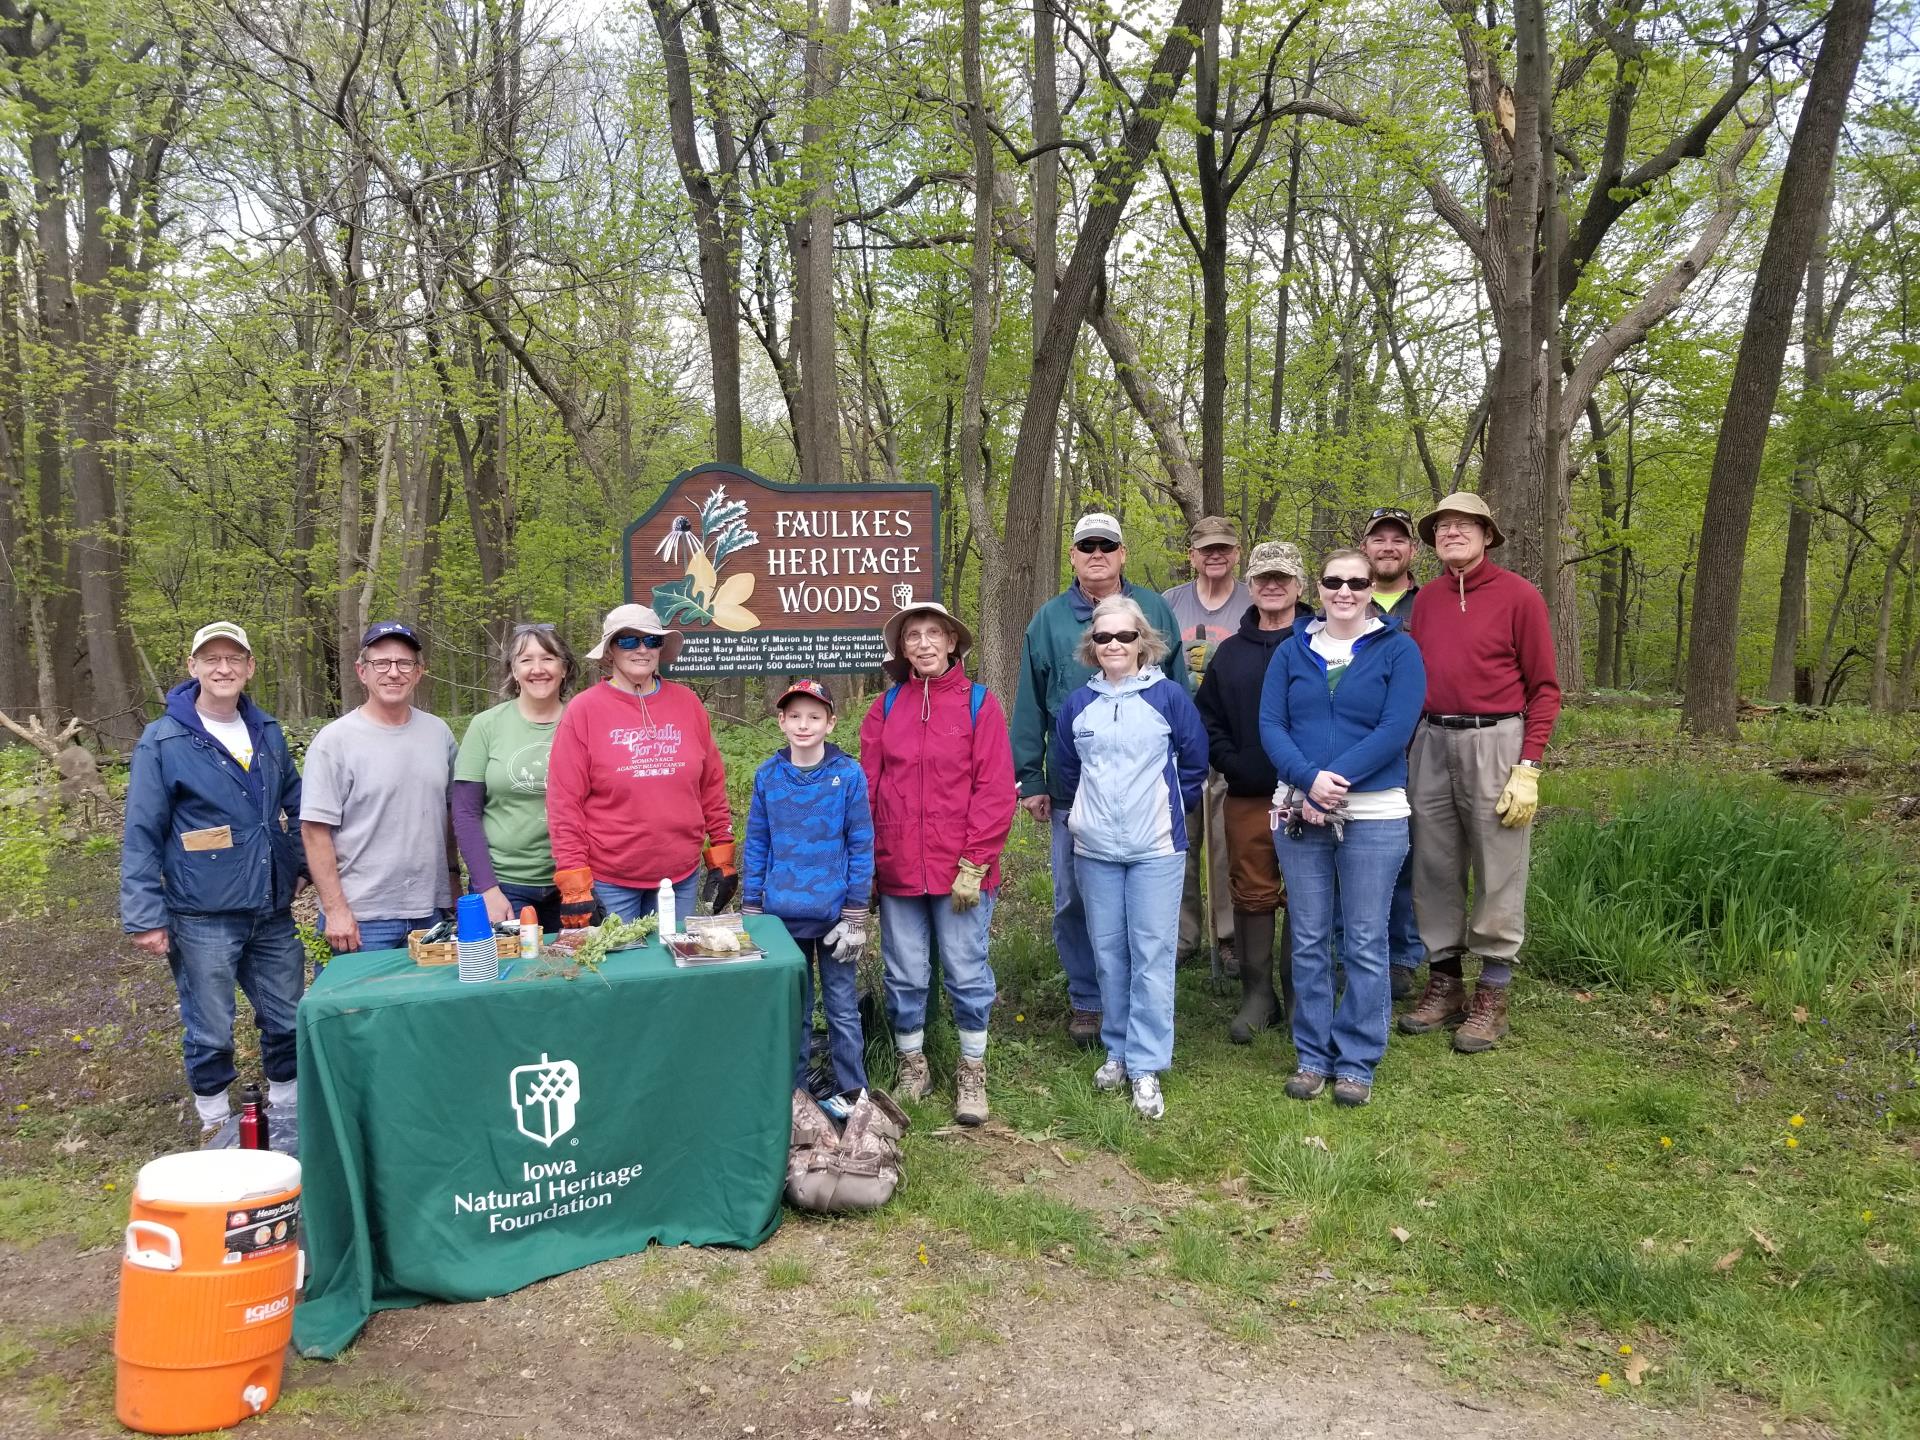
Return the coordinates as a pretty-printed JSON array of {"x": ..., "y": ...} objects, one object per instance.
[{"x": 1276, "y": 557}]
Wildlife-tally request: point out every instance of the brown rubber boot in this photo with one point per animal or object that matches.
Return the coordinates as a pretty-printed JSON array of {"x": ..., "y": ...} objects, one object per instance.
[
  {"x": 970, "y": 1091},
  {"x": 1443, "y": 1005},
  {"x": 912, "y": 1079},
  {"x": 1257, "y": 1006},
  {"x": 1283, "y": 970},
  {"x": 1486, "y": 1020}
]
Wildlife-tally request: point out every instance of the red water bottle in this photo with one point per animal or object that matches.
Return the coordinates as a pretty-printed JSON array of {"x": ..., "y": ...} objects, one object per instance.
[{"x": 253, "y": 1122}]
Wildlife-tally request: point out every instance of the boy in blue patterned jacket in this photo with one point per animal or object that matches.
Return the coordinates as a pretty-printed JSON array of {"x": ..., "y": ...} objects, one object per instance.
[{"x": 809, "y": 861}]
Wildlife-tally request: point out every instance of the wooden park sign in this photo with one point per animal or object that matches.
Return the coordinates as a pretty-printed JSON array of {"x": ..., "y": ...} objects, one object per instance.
[{"x": 765, "y": 578}]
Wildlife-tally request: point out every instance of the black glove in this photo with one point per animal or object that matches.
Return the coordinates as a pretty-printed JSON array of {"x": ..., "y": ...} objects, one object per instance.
[{"x": 719, "y": 890}]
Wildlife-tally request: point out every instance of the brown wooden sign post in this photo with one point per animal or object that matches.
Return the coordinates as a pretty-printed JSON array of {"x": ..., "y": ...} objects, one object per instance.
[{"x": 769, "y": 578}]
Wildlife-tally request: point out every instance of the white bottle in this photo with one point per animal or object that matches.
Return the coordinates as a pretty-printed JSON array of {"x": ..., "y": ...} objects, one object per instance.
[{"x": 669, "y": 922}]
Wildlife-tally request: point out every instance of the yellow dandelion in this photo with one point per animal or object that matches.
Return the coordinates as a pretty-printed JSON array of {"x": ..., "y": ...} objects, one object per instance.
[
  {"x": 1603, "y": 1380},
  {"x": 1019, "y": 1019},
  {"x": 1293, "y": 1304},
  {"x": 1867, "y": 1215},
  {"x": 1666, "y": 1142},
  {"x": 1796, "y": 1121},
  {"x": 1626, "y": 1349},
  {"x": 922, "y": 1256},
  {"x": 21, "y": 1106},
  {"x": 1793, "y": 1142},
  {"x": 111, "y": 1185}
]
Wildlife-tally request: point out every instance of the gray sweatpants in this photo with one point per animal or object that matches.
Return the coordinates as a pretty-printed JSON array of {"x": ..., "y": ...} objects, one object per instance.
[{"x": 1454, "y": 779}]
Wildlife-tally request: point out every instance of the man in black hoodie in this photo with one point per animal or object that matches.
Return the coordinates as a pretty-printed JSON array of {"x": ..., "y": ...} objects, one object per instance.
[{"x": 1229, "y": 703}]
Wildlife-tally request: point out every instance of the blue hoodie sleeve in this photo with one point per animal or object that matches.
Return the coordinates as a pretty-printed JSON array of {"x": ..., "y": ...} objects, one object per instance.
[
  {"x": 1386, "y": 741},
  {"x": 143, "y": 891},
  {"x": 1276, "y": 718},
  {"x": 1066, "y": 757},
  {"x": 1189, "y": 744},
  {"x": 753, "y": 865},
  {"x": 859, "y": 840}
]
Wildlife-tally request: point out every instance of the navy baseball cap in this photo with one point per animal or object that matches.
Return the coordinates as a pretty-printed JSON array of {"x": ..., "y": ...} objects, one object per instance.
[
  {"x": 812, "y": 689},
  {"x": 390, "y": 630}
]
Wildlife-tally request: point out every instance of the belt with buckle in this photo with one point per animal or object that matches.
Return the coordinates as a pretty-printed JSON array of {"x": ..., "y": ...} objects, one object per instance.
[{"x": 1470, "y": 722}]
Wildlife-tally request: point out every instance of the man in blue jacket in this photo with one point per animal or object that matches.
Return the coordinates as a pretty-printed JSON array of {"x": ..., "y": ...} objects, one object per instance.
[{"x": 208, "y": 869}]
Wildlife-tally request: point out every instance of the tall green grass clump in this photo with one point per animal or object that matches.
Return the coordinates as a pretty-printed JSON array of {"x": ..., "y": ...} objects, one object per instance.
[{"x": 1707, "y": 886}]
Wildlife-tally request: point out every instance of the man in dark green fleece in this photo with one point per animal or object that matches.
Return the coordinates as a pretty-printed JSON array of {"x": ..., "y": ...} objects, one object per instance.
[{"x": 1050, "y": 670}]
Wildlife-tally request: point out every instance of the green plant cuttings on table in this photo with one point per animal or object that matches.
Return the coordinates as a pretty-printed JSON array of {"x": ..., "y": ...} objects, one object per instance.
[{"x": 605, "y": 938}]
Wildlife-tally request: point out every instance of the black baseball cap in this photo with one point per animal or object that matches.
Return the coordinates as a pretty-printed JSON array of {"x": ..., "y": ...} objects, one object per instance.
[{"x": 390, "y": 630}]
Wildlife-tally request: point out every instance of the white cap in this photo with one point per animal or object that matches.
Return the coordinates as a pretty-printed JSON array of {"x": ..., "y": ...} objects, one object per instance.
[
  {"x": 1099, "y": 526},
  {"x": 219, "y": 630}
]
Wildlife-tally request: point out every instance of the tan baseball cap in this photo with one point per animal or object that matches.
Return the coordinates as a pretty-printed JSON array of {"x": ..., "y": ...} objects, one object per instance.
[
  {"x": 220, "y": 630},
  {"x": 1212, "y": 530}
]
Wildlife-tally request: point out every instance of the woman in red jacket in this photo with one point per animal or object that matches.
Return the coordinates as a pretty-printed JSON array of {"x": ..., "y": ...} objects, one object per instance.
[
  {"x": 634, "y": 782},
  {"x": 940, "y": 774}
]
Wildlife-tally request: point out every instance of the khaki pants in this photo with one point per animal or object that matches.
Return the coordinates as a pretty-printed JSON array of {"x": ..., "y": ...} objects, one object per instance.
[
  {"x": 1216, "y": 859},
  {"x": 1454, "y": 779}
]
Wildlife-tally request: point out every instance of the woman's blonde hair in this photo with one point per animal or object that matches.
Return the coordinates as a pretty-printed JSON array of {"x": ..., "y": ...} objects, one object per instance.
[
  {"x": 1151, "y": 646},
  {"x": 1349, "y": 554}
]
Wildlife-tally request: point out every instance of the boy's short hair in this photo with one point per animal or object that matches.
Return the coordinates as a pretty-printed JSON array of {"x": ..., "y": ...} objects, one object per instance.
[{"x": 811, "y": 689}]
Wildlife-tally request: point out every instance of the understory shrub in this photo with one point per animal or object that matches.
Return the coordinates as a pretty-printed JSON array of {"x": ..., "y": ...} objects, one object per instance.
[{"x": 1711, "y": 886}]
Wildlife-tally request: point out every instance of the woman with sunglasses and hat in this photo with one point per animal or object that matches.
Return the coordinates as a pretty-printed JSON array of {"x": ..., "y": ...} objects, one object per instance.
[
  {"x": 500, "y": 779},
  {"x": 940, "y": 770},
  {"x": 1132, "y": 759},
  {"x": 1337, "y": 709},
  {"x": 635, "y": 784}
]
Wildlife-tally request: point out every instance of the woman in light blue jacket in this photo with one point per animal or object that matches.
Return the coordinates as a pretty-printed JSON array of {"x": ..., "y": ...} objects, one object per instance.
[{"x": 1132, "y": 757}]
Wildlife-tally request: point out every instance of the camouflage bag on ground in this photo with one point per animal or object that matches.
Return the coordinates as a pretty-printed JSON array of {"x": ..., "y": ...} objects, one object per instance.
[{"x": 833, "y": 1171}]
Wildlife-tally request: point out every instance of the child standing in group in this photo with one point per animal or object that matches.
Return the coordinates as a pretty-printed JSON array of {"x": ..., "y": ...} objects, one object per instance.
[{"x": 809, "y": 861}]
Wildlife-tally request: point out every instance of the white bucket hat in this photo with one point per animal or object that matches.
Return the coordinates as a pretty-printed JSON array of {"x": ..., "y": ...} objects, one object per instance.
[
  {"x": 896, "y": 664},
  {"x": 641, "y": 620}
]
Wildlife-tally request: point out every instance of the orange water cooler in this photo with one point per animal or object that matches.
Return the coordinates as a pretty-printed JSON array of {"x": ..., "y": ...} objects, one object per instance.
[{"x": 207, "y": 1281}]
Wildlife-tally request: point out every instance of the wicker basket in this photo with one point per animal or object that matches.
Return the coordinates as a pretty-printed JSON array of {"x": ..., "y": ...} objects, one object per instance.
[{"x": 447, "y": 952}]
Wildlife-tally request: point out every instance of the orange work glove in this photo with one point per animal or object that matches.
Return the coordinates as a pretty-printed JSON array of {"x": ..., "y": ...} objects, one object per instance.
[
  {"x": 576, "y": 897},
  {"x": 719, "y": 856}
]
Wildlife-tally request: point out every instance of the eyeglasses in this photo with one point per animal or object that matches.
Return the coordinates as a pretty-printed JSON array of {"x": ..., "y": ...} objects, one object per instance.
[
  {"x": 1336, "y": 582},
  {"x": 1272, "y": 578},
  {"x": 223, "y": 662},
  {"x": 532, "y": 627},
  {"x": 635, "y": 642},
  {"x": 1096, "y": 546},
  {"x": 1449, "y": 527},
  {"x": 1110, "y": 637},
  {"x": 393, "y": 665}
]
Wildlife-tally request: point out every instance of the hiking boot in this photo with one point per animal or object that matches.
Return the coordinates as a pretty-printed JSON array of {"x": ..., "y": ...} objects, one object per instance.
[
  {"x": 912, "y": 1080},
  {"x": 970, "y": 1091},
  {"x": 1146, "y": 1097},
  {"x": 1351, "y": 1092},
  {"x": 1402, "y": 977},
  {"x": 1443, "y": 1005},
  {"x": 1110, "y": 1076},
  {"x": 1257, "y": 1005},
  {"x": 1083, "y": 1028},
  {"x": 1305, "y": 1085},
  {"x": 1486, "y": 1020}
]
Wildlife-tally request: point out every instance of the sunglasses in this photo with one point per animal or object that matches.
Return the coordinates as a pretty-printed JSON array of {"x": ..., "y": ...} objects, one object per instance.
[
  {"x": 1109, "y": 637},
  {"x": 1091, "y": 547},
  {"x": 1390, "y": 512},
  {"x": 635, "y": 642},
  {"x": 1336, "y": 582}
]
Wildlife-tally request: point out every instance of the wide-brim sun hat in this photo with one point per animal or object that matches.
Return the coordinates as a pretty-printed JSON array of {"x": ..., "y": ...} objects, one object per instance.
[
  {"x": 642, "y": 621},
  {"x": 896, "y": 664},
  {"x": 1462, "y": 502}
]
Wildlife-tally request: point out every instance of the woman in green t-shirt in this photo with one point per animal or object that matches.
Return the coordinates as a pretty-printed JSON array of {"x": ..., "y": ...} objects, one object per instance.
[{"x": 500, "y": 779}]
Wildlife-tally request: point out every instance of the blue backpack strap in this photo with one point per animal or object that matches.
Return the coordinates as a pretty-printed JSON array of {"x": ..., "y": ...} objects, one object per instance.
[
  {"x": 886, "y": 701},
  {"x": 974, "y": 702}
]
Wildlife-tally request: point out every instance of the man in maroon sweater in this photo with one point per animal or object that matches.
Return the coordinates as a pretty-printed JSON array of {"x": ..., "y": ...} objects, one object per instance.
[{"x": 1473, "y": 776}]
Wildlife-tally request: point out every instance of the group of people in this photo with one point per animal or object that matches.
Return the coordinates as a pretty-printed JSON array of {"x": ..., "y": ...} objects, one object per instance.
[
  {"x": 1363, "y": 776},
  {"x": 1352, "y": 769}
]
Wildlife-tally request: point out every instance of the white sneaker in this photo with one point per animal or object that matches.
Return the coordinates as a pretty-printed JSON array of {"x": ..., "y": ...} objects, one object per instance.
[
  {"x": 1146, "y": 1097},
  {"x": 1110, "y": 1076}
]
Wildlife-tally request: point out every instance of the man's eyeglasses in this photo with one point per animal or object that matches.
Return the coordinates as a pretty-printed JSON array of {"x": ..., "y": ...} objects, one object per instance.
[
  {"x": 1096, "y": 546},
  {"x": 1109, "y": 637},
  {"x": 393, "y": 665},
  {"x": 636, "y": 642},
  {"x": 1350, "y": 582}
]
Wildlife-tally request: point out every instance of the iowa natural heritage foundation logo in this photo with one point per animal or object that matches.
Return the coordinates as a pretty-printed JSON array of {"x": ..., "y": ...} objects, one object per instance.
[{"x": 544, "y": 1096}]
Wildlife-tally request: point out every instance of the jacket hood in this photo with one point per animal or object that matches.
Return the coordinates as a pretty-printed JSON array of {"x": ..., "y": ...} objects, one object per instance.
[
  {"x": 1250, "y": 626},
  {"x": 808, "y": 775},
  {"x": 1480, "y": 576},
  {"x": 1376, "y": 624},
  {"x": 1132, "y": 685},
  {"x": 1082, "y": 606},
  {"x": 180, "y": 705}
]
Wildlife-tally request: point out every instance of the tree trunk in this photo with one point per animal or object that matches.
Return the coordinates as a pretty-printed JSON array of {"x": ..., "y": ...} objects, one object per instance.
[
  {"x": 1712, "y": 690},
  {"x": 1605, "y": 662},
  {"x": 1879, "y": 689},
  {"x": 1046, "y": 232},
  {"x": 813, "y": 273}
]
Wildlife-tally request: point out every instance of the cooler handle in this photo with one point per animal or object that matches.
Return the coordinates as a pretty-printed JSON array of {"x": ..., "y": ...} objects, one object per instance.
[
  {"x": 153, "y": 1259},
  {"x": 300, "y": 1273}
]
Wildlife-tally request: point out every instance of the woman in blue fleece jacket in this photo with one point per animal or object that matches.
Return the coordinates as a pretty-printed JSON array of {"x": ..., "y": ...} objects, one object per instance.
[{"x": 1337, "y": 711}]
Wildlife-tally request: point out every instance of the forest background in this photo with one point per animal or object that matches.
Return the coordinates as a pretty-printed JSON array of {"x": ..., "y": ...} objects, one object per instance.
[{"x": 314, "y": 313}]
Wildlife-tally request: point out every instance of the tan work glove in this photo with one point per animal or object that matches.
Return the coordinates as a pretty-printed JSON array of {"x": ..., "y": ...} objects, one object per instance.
[
  {"x": 1521, "y": 797},
  {"x": 966, "y": 885}
]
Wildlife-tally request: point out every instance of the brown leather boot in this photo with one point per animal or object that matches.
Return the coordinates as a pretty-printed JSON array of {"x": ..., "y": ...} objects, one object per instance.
[
  {"x": 912, "y": 1079},
  {"x": 1486, "y": 1020},
  {"x": 1444, "y": 1004}
]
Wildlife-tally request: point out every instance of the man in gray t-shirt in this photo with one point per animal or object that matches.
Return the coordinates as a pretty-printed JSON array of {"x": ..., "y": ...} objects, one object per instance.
[{"x": 373, "y": 805}]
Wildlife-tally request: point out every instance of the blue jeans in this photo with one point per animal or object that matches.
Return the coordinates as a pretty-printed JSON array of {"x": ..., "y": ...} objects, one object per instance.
[
  {"x": 389, "y": 934},
  {"x": 840, "y": 989},
  {"x": 209, "y": 955},
  {"x": 545, "y": 900},
  {"x": 911, "y": 926},
  {"x": 1133, "y": 914},
  {"x": 1070, "y": 936},
  {"x": 1355, "y": 876},
  {"x": 624, "y": 902},
  {"x": 1404, "y": 950}
]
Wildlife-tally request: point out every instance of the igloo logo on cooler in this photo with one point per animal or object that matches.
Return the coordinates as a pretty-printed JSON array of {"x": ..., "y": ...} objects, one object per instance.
[
  {"x": 544, "y": 1096},
  {"x": 267, "y": 1310}
]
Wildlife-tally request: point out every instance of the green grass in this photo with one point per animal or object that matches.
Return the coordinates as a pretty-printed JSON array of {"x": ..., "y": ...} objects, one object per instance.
[
  {"x": 785, "y": 1272},
  {"x": 35, "y": 1208}
]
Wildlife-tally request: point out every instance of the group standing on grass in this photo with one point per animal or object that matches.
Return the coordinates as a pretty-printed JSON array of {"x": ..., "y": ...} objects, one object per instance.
[{"x": 1362, "y": 777}]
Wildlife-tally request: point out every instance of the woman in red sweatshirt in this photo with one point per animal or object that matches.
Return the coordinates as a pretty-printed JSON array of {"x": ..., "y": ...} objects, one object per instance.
[{"x": 635, "y": 784}]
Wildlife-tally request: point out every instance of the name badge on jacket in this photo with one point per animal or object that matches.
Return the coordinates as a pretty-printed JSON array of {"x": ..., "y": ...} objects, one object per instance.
[{"x": 218, "y": 837}]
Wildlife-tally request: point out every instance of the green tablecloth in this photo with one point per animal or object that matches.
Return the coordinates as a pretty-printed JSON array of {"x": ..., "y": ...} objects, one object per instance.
[{"x": 460, "y": 1141}]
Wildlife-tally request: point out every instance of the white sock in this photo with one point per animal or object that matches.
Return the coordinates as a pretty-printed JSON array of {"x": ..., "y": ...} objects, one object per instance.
[
  {"x": 973, "y": 1044},
  {"x": 283, "y": 1094},
  {"x": 214, "y": 1109},
  {"x": 908, "y": 1042}
]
